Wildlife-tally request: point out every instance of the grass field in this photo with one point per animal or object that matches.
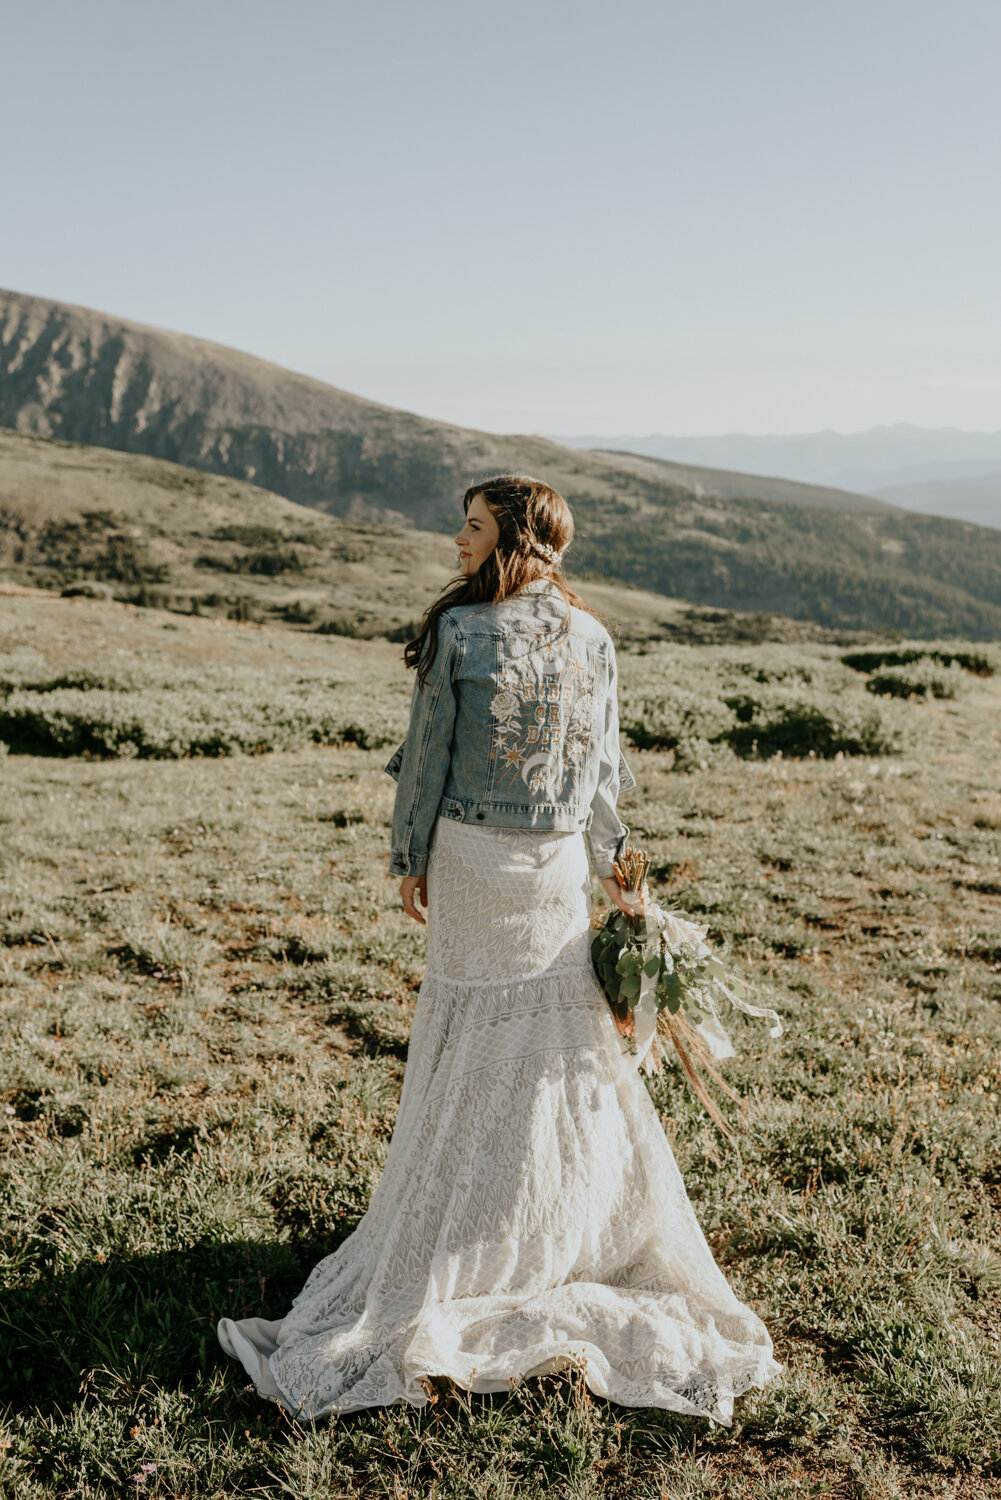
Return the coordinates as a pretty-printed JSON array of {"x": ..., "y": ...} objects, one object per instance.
[{"x": 207, "y": 987}]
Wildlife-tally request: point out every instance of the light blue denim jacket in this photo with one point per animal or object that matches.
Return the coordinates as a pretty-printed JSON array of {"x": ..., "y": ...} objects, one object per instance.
[{"x": 517, "y": 726}]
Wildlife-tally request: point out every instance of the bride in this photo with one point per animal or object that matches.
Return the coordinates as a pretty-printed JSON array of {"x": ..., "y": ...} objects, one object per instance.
[{"x": 531, "y": 1215}]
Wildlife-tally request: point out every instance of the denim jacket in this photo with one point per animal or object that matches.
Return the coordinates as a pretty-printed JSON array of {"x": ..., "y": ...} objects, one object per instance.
[{"x": 517, "y": 726}]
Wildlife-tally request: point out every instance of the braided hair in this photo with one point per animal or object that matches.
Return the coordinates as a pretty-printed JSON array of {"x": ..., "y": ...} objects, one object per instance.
[{"x": 536, "y": 528}]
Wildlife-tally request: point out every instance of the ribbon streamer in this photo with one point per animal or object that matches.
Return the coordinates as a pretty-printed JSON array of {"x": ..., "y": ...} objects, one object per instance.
[
  {"x": 676, "y": 932},
  {"x": 645, "y": 1009}
]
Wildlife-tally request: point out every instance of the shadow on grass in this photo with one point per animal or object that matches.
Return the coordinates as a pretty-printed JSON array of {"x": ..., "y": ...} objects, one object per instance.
[
  {"x": 133, "y": 1322},
  {"x": 120, "y": 1336}
]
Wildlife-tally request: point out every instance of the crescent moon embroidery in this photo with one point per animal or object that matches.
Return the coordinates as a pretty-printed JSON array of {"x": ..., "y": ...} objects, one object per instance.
[
  {"x": 541, "y": 759},
  {"x": 547, "y": 663}
]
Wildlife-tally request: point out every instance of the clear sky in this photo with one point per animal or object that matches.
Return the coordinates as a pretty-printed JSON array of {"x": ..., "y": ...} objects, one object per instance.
[{"x": 681, "y": 216}]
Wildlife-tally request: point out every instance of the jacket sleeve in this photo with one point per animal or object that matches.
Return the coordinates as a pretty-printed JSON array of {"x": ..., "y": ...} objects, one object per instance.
[
  {"x": 420, "y": 765},
  {"x": 606, "y": 834}
]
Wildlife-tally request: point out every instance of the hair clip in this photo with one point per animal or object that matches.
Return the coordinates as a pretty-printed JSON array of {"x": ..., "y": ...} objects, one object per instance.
[{"x": 549, "y": 553}]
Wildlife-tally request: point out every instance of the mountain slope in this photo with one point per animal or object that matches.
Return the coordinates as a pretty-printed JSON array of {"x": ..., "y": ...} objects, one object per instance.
[
  {"x": 157, "y": 532},
  {"x": 86, "y": 377},
  {"x": 716, "y": 538},
  {"x": 202, "y": 543}
]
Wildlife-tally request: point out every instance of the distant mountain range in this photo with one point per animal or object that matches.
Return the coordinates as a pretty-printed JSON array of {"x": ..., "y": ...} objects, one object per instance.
[
  {"x": 941, "y": 471},
  {"x": 683, "y": 530},
  {"x": 975, "y": 499}
]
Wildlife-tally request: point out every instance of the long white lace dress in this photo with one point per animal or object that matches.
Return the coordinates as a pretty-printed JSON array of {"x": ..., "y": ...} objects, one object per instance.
[{"x": 531, "y": 1213}]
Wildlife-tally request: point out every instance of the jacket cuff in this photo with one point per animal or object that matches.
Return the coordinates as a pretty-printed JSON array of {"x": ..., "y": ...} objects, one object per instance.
[
  {"x": 604, "y": 856},
  {"x": 412, "y": 864}
]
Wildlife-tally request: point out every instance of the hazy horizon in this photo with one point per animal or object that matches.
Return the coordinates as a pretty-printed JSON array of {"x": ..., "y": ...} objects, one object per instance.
[
  {"x": 768, "y": 221},
  {"x": 809, "y": 432}
]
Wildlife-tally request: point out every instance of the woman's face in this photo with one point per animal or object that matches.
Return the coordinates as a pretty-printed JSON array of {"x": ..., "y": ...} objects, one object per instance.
[{"x": 478, "y": 537}]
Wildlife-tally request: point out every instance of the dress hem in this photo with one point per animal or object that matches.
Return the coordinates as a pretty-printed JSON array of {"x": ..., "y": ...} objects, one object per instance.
[{"x": 569, "y": 1356}]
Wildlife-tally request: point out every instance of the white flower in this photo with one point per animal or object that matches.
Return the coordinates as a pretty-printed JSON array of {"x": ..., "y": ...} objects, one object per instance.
[{"x": 504, "y": 704}]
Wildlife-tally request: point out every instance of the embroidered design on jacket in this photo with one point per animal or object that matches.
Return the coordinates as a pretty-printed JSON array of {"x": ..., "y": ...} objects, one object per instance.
[{"x": 543, "y": 713}]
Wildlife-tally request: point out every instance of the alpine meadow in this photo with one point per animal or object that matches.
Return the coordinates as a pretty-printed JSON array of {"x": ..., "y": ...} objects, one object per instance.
[
  {"x": 208, "y": 981},
  {"x": 207, "y": 991}
]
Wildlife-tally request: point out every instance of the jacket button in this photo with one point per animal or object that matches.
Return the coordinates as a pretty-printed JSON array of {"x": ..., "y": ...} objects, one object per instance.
[{"x": 480, "y": 816}]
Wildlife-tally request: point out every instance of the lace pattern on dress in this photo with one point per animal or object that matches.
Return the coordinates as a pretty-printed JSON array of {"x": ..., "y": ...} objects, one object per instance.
[{"x": 531, "y": 1213}]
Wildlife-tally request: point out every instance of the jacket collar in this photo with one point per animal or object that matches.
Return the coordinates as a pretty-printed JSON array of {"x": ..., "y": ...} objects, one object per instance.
[{"x": 536, "y": 586}]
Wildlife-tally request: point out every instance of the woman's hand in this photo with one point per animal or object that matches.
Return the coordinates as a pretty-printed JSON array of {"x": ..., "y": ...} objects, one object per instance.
[
  {"x": 613, "y": 891},
  {"x": 410, "y": 886}
]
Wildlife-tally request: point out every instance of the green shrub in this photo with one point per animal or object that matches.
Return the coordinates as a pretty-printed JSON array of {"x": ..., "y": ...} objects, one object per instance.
[
  {"x": 243, "y": 608},
  {"x": 975, "y": 662},
  {"x": 354, "y": 625},
  {"x": 126, "y": 559},
  {"x": 677, "y": 718},
  {"x": 804, "y": 729},
  {"x": 697, "y": 627},
  {"x": 270, "y": 561},
  {"x": 921, "y": 679},
  {"x": 253, "y": 535},
  {"x": 150, "y": 713},
  {"x": 706, "y": 702},
  {"x": 117, "y": 679},
  {"x": 69, "y": 721},
  {"x": 299, "y": 613},
  {"x": 86, "y": 590},
  {"x": 148, "y": 597},
  {"x": 267, "y": 561}
]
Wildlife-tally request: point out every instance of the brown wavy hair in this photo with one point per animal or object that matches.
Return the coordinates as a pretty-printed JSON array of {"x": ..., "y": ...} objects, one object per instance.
[{"x": 536, "y": 527}]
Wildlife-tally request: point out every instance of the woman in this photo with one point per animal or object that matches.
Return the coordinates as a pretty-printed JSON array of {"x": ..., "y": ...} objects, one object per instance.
[{"x": 530, "y": 1214}]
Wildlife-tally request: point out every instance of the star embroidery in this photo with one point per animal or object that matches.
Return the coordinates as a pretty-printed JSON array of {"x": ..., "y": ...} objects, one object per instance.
[{"x": 513, "y": 757}]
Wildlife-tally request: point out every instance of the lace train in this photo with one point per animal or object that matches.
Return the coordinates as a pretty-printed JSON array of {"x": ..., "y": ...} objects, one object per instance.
[{"x": 531, "y": 1213}]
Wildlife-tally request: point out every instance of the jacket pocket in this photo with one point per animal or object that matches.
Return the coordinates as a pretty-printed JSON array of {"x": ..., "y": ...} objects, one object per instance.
[
  {"x": 392, "y": 767},
  {"x": 626, "y": 778}
]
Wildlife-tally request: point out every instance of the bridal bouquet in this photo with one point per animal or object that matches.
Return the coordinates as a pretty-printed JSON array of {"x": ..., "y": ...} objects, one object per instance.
[{"x": 665, "y": 985}]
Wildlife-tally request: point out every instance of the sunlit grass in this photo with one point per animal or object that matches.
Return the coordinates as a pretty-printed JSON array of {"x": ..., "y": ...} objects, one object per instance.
[{"x": 206, "y": 991}]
